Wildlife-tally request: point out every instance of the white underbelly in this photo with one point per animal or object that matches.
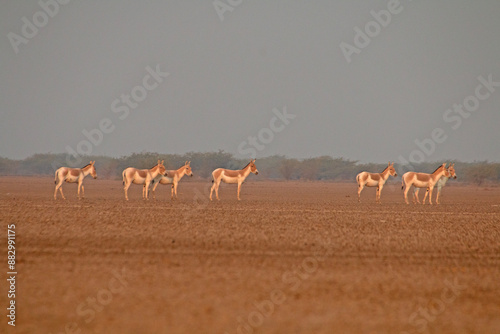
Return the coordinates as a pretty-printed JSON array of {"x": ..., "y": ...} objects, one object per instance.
[
  {"x": 166, "y": 180},
  {"x": 71, "y": 179},
  {"x": 227, "y": 179},
  {"x": 422, "y": 184},
  {"x": 371, "y": 183},
  {"x": 138, "y": 180}
]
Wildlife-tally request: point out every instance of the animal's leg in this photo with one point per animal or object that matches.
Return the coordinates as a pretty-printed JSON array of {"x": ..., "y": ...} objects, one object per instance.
[
  {"x": 415, "y": 195},
  {"x": 437, "y": 195},
  {"x": 217, "y": 190},
  {"x": 360, "y": 189},
  {"x": 405, "y": 192},
  {"x": 212, "y": 189},
  {"x": 58, "y": 186},
  {"x": 380, "y": 187},
  {"x": 154, "y": 188},
  {"x": 60, "y": 189},
  {"x": 145, "y": 191},
  {"x": 426, "y": 194},
  {"x": 83, "y": 191},
  {"x": 125, "y": 188},
  {"x": 239, "y": 187},
  {"x": 430, "y": 194},
  {"x": 79, "y": 186}
]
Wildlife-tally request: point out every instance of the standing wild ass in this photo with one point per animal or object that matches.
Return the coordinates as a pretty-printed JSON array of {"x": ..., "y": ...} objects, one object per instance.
[
  {"x": 440, "y": 184},
  {"x": 231, "y": 176},
  {"x": 73, "y": 175},
  {"x": 173, "y": 177},
  {"x": 375, "y": 180},
  {"x": 141, "y": 176},
  {"x": 423, "y": 180}
]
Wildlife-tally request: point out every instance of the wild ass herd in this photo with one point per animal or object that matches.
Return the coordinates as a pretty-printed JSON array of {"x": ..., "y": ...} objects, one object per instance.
[{"x": 146, "y": 177}]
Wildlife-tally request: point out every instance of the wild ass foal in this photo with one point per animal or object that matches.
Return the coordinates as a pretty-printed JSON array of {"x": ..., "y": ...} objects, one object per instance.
[
  {"x": 173, "y": 177},
  {"x": 231, "y": 176},
  {"x": 73, "y": 175},
  {"x": 440, "y": 184},
  {"x": 142, "y": 176},
  {"x": 423, "y": 180},
  {"x": 375, "y": 180}
]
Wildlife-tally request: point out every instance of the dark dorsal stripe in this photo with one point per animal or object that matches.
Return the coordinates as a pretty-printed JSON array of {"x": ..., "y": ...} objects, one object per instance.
[
  {"x": 247, "y": 165},
  {"x": 436, "y": 169}
]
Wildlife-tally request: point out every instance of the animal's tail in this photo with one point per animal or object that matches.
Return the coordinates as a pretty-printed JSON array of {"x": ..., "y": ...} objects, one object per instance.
[
  {"x": 55, "y": 176},
  {"x": 123, "y": 177},
  {"x": 403, "y": 184}
]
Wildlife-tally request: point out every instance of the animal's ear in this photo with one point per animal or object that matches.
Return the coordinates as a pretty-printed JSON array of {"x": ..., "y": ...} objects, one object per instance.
[
  {"x": 189, "y": 162},
  {"x": 185, "y": 163},
  {"x": 162, "y": 162}
]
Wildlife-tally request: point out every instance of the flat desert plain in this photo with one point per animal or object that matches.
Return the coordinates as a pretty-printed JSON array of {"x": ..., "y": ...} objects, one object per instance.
[{"x": 290, "y": 257}]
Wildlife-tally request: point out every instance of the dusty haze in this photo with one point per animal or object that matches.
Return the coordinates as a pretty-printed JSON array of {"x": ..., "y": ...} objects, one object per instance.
[{"x": 228, "y": 71}]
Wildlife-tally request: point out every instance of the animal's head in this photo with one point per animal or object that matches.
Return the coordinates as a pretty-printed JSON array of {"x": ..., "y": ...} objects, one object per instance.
[
  {"x": 451, "y": 170},
  {"x": 161, "y": 167},
  {"x": 445, "y": 170},
  {"x": 253, "y": 168},
  {"x": 187, "y": 168},
  {"x": 391, "y": 168},
  {"x": 93, "y": 172}
]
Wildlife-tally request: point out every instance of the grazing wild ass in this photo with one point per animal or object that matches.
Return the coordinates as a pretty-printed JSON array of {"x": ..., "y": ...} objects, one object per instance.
[
  {"x": 141, "y": 176},
  {"x": 231, "y": 176},
  {"x": 73, "y": 175},
  {"x": 440, "y": 184},
  {"x": 423, "y": 180},
  {"x": 173, "y": 177},
  {"x": 366, "y": 179}
]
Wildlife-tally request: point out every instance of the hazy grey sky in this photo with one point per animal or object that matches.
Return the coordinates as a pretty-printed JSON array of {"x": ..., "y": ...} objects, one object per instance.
[{"x": 229, "y": 66}]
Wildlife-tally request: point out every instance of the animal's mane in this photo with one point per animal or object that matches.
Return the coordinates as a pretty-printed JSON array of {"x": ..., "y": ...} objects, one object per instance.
[
  {"x": 85, "y": 166},
  {"x": 437, "y": 169},
  {"x": 247, "y": 164}
]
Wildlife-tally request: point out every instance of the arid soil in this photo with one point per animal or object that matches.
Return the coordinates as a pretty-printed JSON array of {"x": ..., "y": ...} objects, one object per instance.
[{"x": 290, "y": 257}]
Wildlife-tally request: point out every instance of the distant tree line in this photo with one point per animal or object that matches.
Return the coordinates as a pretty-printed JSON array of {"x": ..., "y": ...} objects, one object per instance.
[{"x": 275, "y": 167}]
